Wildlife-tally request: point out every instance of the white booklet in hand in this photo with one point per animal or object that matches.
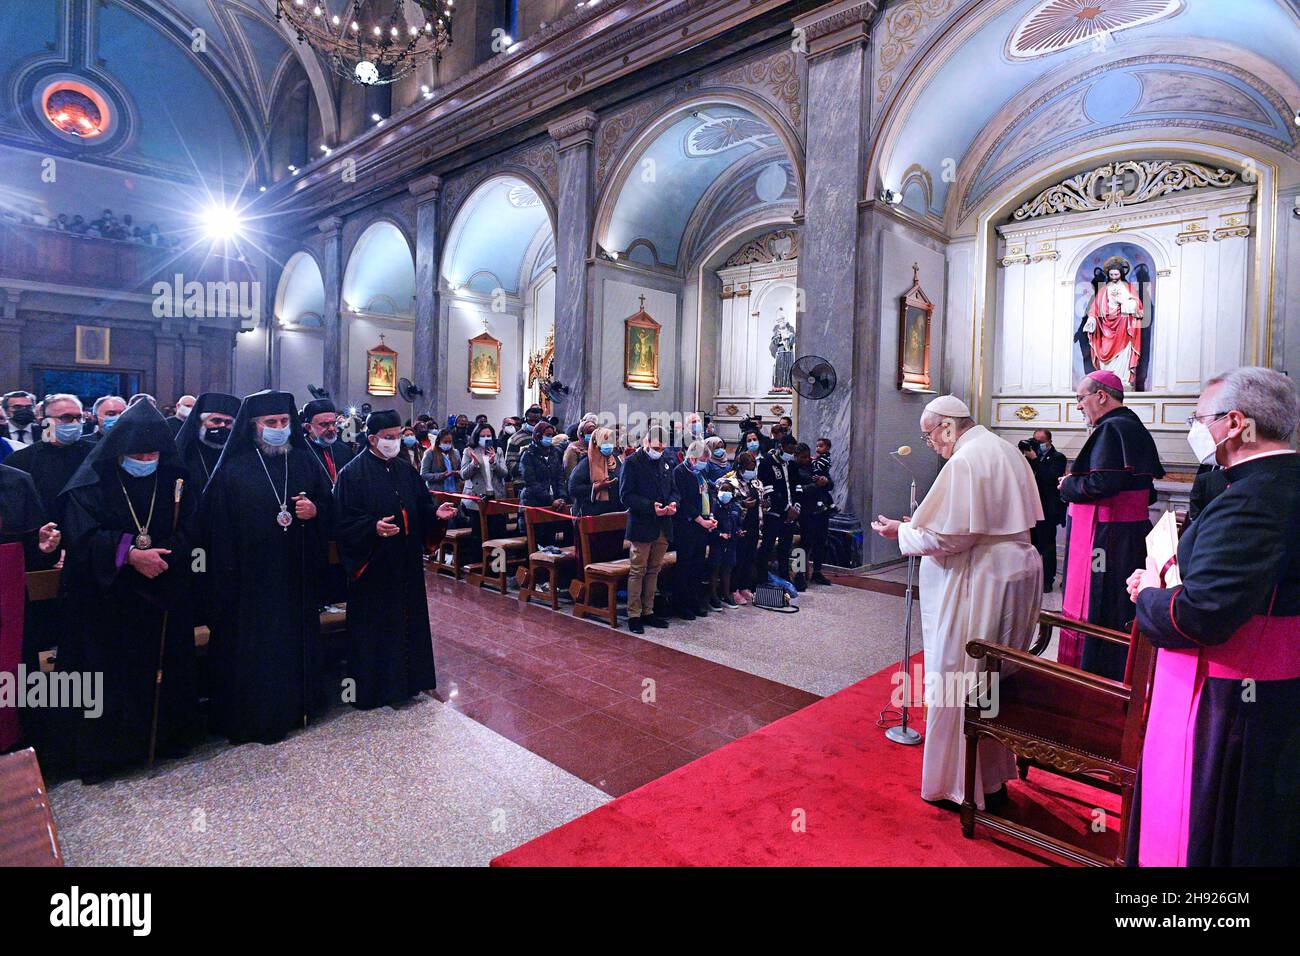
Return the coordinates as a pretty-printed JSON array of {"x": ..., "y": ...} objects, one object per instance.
[{"x": 1162, "y": 549}]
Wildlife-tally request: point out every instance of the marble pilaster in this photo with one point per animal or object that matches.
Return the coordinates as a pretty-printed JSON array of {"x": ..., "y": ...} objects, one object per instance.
[
  {"x": 334, "y": 372},
  {"x": 428, "y": 370}
]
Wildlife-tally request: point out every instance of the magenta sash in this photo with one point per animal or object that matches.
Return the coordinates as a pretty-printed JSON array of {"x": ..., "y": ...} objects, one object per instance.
[
  {"x": 1263, "y": 649},
  {"x": 13, "y": 599},
  {"x": 1084, "y": 518}
]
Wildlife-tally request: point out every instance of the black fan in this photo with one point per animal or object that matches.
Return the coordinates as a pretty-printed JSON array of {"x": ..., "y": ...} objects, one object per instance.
[
  {"x": 812, "y": 377},
  {"x": 408, "y": 390},
  {"x": 317, "y": 392}
]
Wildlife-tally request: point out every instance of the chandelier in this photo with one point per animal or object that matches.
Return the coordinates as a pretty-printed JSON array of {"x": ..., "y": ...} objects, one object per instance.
[{"x": 371, "y": 42}]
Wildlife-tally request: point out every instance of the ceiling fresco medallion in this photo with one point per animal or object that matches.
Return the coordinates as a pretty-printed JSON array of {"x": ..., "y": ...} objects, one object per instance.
[
  {"x": 1060, "y": 24},
  {"x": 727, "y": 132}
]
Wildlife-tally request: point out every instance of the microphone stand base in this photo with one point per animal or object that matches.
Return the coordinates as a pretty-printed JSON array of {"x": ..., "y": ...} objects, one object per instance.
[{"x": 903, "y": 735}]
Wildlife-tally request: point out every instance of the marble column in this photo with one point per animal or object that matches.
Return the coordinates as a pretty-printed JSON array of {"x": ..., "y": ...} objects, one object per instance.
[
  {"x": 194, "y": 379},
  {"x": 11, "y": 330},
  {"x": 574, "y": 135},
  {"x": 429, "y": 370},
  {"x": 838, "y": 111},
  {"x": 333, "y": 375},
  {"x": 167, "y": 385}
]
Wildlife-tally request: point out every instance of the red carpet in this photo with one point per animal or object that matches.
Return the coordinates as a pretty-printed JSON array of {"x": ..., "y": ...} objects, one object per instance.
[{"x": 829, "y": 766}]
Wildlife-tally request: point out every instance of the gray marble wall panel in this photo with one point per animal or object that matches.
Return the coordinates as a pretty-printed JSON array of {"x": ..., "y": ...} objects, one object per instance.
[
  {"x": 573, "y": 274},
  {"x": 428, "y": 360}
]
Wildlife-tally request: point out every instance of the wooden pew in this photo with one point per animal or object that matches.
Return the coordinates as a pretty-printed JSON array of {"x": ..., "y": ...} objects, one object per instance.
[
  {"x": 604, "y": 567},
  {"x": 512, "y": 548},
  {"x": 28, "y": 836},
  {"x": 449, "y": 557},
  {"x": 1065, "y": 721},
  {"x": 544, "y": 567}
]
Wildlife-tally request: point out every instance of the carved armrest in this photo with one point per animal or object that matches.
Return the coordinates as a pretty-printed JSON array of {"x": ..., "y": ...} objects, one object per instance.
[
  {"x": 1062, "y": 672},
  {"x": 1050, "y": 619}
]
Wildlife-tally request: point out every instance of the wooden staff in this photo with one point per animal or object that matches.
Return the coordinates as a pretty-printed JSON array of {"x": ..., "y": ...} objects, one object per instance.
[{"x": 162, "y": 640}]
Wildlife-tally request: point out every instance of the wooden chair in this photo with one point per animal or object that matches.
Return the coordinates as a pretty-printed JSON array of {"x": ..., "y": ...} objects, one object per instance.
[
  {"x": 1065, "y": 721},
  {"x": 546, "y": 572},
  {"x": 28, "y": 836},
  {"x": 512, "y": 549},
  {"x": 605, "y": 566},
  {"x": 449, "y": 558}
]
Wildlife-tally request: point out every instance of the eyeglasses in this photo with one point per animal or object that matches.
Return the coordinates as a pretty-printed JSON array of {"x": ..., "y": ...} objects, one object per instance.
[
  {"x": 66, "y": 419},
  {"x": 1212, "y": 417}
]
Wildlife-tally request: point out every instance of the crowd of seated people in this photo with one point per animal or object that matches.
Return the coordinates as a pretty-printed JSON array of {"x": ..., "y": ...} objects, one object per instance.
[{"x": 104, "y": 226}]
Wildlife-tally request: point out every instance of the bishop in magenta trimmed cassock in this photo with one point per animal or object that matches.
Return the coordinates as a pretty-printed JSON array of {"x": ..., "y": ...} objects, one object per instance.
[
  {"x": 1219, "y": 783},
  {"x": 1108, "y": 490},
  {"x": 981, "y": 578},
  {"x": 385, "y": 520}
]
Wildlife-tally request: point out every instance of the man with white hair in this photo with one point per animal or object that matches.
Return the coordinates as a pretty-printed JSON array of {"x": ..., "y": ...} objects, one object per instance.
[
  {"x": 1220, "y": 783},
  {"x": 981, "y": 579}
]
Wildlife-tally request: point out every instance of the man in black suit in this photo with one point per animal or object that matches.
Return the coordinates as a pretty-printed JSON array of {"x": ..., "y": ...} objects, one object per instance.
[
  {"x": 692, "y": 523},
  {"x": 646, "y": 489},
  {"x": 1210, "y": 482},
  {"x": 1048, "y": 465},
  {"x": 20, "y": 409},
  {"x": 779, "y": 475},
  {"x": 184, "y": 405}
]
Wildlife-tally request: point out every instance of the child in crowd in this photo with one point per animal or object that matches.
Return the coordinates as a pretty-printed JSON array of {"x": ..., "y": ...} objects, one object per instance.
[{"x": 722, "y": 543}]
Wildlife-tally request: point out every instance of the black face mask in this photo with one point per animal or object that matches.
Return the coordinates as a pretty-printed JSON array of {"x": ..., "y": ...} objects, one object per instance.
[
  {"x": 216, "y": 436},
  {"x": 22, "y": 416}
]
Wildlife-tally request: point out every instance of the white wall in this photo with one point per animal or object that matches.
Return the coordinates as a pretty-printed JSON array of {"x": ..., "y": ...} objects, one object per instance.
[
  {"x": 361, "y": 334},
  {"x": 620, "y": 300},
  {"x": 302, "y": 363},
  {"x": 464, "y": 322}
]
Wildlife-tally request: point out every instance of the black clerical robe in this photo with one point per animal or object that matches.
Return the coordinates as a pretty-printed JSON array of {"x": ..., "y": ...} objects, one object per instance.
[
  {"x": 1109, "y": 489},
  {"x": 116, "y": 618},
  {"x": 1220, "y": 774},
  {"x": 391, "y": 648},
  {"x": 200, "y": 461},
  {"x": 331, "y": 460},
  {"x": 263, "y": 593}
]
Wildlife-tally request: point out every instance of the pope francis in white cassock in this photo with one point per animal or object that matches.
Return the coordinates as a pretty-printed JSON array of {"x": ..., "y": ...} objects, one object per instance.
[{"x": 980, "y": 578}]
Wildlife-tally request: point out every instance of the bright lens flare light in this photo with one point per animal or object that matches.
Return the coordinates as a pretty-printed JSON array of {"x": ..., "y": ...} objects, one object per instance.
[{"x": 222, "y": 222}]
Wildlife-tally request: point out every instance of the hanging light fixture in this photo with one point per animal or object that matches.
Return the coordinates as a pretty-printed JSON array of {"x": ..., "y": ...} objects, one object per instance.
[{"x": 371, "y": 42}]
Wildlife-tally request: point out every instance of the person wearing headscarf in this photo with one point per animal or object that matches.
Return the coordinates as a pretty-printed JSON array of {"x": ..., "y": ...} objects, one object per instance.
[
  {"x": 593, "y": 483},
  {"x": 981, "y": 578},
  {"x": 386, "y": 519},
  {"x": 130, "y": 534},
  {"x": 266, "y": 517},
  {"x": 203, "y": 435}
]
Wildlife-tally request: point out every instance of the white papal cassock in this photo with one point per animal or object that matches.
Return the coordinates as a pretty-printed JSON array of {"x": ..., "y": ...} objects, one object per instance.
[{"x": 980, "y": 579}]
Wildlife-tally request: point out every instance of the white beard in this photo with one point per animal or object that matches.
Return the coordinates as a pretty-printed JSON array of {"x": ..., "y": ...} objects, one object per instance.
[{"x": 272, "y": 451}]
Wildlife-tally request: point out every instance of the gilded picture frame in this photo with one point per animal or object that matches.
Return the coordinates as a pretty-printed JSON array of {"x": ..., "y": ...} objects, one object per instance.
[
  {"x": 914, "y": 319},
  {"x": 93, "y": 345},
  {"x": 484, "y": 375},
  {"x": 641, "y": 350},
  {"x": 381, "y": 370}
]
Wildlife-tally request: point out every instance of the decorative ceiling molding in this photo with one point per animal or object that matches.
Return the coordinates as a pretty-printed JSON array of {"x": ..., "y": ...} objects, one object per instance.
[
  {"x": 535, "y": 161},
  {"x": 1123, "y": 183},
  {"x": 901, "y": 28},
  {"x": 777, "y": 246},
  {"x": 1056, "y": 25}
]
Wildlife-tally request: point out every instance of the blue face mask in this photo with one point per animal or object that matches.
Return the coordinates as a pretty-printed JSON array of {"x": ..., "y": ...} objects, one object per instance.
[
  {"x": 67, "y": 434},
  {"x": 1042, "y": 448},
  {"x": 700, "y": 465},
  {"x": 109, "y": 422},
  {"x": 653, "y": 455},
  {"x": 752, "y": 446},
  {"x": 547, "y": 441},
  {"x": 528, "y": 428},
  {"x": 719, "y": 452},
  {"x": 607, "y": 448},
  {"x": 409, "y": 441},
  {"x": 786, "y": 456},
  {"x": 139, "y": 469},
  {"x": 724, "y": 497},
  {"x": 325, "y": 441},
  {"x": 749, "y": 475},
  {"x": 275, "y": 436}
]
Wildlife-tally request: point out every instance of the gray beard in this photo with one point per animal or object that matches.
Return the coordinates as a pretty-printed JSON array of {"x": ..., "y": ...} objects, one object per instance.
[{"x": 272, "y": 451}]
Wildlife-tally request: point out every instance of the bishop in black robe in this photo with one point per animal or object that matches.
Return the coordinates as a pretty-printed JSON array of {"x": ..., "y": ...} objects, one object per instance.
[
  {"x": 129, "y": 597},
  {"x": 265, "y": 516},
  {"x": 1109, "y": 488},
  {"x": 320, "y": 423},
  {"x": 385, "y": 520},
  {"x": 1220, "y": 775},
  {"x": 204, "y": 434}
]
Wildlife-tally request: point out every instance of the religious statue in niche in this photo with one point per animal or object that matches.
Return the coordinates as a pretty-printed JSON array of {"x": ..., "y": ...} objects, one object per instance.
[
  {"x": 915, "y": 312},
  {"x": 381, "y": 370},
  {"x": 782, "y": 349},
  {"x": 484, "y": 364},
  {"x": 641, "y": 350},
  {"x": 1115, "y": 314}
]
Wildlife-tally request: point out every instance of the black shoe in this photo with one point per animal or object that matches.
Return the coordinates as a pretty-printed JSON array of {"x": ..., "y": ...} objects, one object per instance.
[
  {"x": 687, "y": 615},
  {"x": 635, "y": 625},
  {"x": 819, "y": 578},
  {"x": 996, "y": 801},
  {"x": 728, "y": 602},
  {"x": 800, "y": 583},
  {"x": 653, "y": 620},
  {"x": 715, "y": 604},
  {"x": 702, "y": 611}
]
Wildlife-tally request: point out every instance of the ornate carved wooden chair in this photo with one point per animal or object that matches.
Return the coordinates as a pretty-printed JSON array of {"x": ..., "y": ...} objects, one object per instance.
[{"x": 1065, "y": 721}]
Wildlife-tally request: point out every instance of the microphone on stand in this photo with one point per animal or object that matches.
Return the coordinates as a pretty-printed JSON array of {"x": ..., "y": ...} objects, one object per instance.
[{"x": 901, "y": 733}]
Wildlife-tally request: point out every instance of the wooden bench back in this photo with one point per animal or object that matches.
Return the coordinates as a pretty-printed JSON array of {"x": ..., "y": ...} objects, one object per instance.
[
  {"x": 601, "y": 537},
  {"x": 497, "y": 506},
  {"x": 533, "y": 519}
]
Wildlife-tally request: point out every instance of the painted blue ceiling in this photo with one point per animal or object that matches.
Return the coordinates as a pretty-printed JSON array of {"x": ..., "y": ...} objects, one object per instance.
[
  {"x": 186, "y": 113},
  {"x": 978, "y": 79},
  {"x": 380, "y": 274},
  {"x": 672, "y": 173},
  {"x": 492, "y": 233}
]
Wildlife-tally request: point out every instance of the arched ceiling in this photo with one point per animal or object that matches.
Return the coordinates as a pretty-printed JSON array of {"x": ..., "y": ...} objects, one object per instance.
[
  {"x": 300, "y": 299},
  {"x": 1000, "y": 83},
  {"x": 195, "y": 81},
  {"x": 380, "y": 274},
  {"x": 502, "y": 227},
  {"x": 674, "y": 170}
]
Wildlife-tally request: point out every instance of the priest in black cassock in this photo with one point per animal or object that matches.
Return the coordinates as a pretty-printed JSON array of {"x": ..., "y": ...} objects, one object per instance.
[
  {"x": 385, "y": 520},
  {"x": 204, "y": 433},
  {"x": 1108, "y": 490},
  {"x": 126, "y": 579},
  {"x": 1219, "y": 782},
  {"x": 320, "y": 422},
  {"x": 265, "y": 517}
]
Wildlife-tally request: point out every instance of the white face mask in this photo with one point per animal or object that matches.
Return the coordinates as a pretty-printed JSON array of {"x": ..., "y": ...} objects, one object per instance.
[
  {"x": 1203, "y": 444},
  {"x": 183, "y": 411},
  {"x": 388, "y": 446}
]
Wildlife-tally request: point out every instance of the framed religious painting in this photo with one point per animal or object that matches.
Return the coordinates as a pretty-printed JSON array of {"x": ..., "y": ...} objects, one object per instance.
[
  {"x": 641, "y": 350},
  {"x": 92, "y": 345},
  {"x": 381, "y": 370},
  {"x": 914, "y": 314},
  {"x": 484, "y": 365}
]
